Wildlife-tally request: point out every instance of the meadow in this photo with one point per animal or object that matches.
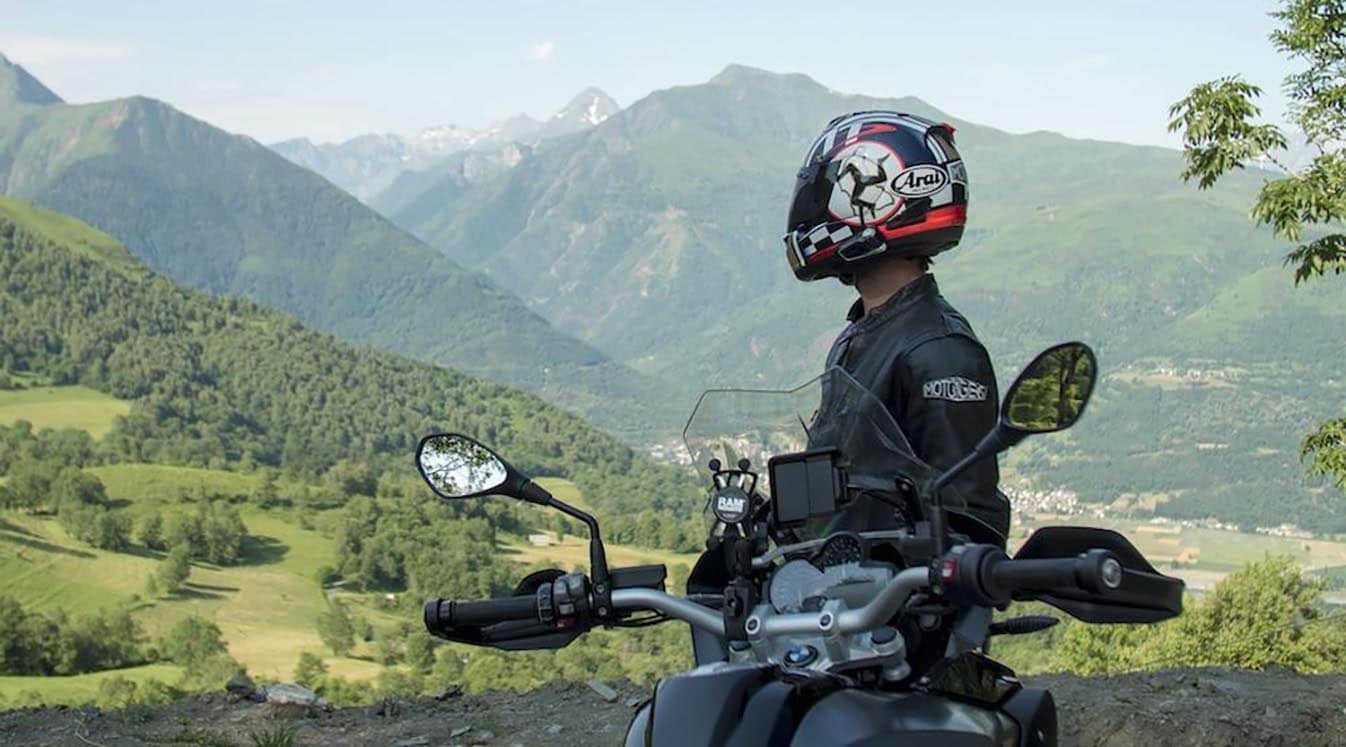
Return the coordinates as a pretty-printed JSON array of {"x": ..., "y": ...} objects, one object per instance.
[{"x": 62, "y": 407}]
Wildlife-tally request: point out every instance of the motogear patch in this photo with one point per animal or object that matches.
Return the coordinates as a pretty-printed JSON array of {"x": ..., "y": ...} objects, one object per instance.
[
  {"x": 955, "y": 389},
  {"x": 863, "y": 193}
]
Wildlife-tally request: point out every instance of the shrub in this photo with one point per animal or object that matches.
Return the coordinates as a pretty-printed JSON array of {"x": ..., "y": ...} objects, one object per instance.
[
  {"x": 310, "y": 670},
  {"x": 150, "y": 532},
  {"x": 116, "y": 693},
  {"x": 174, "y": 570},
  {"x": 1265, "y": 614},
  {"x": 192, "y": 642},
  {"x": 336, "y": 629}
]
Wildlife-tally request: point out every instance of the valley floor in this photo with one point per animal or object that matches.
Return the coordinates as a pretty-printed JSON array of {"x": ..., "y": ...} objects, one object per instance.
[{"x": 1182, "y": 707}]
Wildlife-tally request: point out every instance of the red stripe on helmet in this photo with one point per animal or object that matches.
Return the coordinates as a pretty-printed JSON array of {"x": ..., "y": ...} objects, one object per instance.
[{"x": 944, "y": 217}]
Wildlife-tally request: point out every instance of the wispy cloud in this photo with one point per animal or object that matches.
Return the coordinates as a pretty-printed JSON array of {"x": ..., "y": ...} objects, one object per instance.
[
  {"x": 541, "y": 51},
  {"x": 43, "y": 50}
]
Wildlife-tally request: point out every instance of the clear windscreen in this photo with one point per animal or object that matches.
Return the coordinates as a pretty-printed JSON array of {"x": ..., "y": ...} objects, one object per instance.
[
  {"x": 831, "y": 411},
  {"x": 752, "y": 424}
]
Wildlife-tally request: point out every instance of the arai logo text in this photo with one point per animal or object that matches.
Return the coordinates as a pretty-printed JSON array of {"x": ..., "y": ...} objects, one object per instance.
[{"x": 920, "y": 180}]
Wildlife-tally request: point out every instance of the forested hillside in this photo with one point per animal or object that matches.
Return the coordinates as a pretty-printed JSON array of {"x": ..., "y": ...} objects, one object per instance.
[
  {"x": 668, "y": 217},
  {"x": 239, "y": 492},
  {"x": 222, "y": 381},
  {"x": 222, "y": 213}
]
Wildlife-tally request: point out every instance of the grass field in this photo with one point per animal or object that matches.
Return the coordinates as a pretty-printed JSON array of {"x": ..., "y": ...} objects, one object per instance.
[
  {"x": 62, "y": 407},
  {"x": 266, "y": 607},
  {"x": 80, "y": 688},
  {"x": 159, "y": 482}
]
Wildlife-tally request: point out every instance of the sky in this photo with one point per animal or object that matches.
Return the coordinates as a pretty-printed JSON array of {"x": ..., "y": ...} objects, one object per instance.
[{"x": 335, "y": 69}]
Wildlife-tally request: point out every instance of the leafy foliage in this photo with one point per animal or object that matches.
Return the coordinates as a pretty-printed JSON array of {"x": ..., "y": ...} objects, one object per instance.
[
  {"x": 1326, "y": 450},
  {"x": 1219, "y": 134},
  {"x": 33, "y": 643},
  {"x": 174, "y": 570},
  {"x": 214, "y": 532},
  {"x": 336, "y": 629},
  {"x": 1262, "y": 615},
  {"x": 309, "y": 670},
  {"x": 193, "y": 641}
]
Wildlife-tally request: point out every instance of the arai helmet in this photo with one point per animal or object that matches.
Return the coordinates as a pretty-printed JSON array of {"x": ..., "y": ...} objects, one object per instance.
[{"x": 875, "y": 184}]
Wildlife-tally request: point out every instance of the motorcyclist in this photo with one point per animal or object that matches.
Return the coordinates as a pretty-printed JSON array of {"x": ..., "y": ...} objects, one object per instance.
[{"x": 879, "y": 194}]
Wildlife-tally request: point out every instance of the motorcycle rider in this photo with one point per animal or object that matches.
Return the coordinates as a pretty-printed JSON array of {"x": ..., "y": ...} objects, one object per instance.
[{"x": 880, "y": 193}]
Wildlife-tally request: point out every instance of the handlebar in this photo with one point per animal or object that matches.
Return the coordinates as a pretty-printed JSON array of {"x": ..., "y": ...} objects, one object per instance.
[
  {"x": 1093, "y": 571},
  {"x": 980, "y": 574},
  {"x": 445, "y": 614},
  {"x": 983, "y": 574}
]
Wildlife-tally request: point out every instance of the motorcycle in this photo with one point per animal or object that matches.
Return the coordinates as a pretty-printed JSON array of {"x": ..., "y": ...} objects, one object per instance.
[{"x": 813, "y": 623}]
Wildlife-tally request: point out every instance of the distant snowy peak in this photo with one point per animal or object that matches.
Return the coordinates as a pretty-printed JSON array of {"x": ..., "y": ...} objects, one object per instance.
[
  {"x": 590, "y": 108},
  {"x": 587, "y": 109},
  {"x": 367, "y": 165}
]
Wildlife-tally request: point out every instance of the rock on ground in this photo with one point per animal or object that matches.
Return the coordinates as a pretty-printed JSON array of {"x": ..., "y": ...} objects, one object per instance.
[{"x": 1178, "y": 708}]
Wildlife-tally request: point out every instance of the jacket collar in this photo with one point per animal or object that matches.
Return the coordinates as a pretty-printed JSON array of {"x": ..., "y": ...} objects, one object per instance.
[{"x": 922, "y": 287}]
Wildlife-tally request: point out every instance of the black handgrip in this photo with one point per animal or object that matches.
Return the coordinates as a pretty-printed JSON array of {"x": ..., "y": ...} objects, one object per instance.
[
  {"x": 446, "y": 614},
  {"x": 1093, "y": 571}
]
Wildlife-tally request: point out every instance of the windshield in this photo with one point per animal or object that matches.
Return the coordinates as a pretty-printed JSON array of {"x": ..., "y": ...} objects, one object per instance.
[
  {"x": 753, "y": 424},
  {"x": 831, "y": 411}
]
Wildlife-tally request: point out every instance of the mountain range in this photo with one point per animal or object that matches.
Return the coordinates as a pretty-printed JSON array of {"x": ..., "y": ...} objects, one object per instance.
[
  {"x": 222, "y": 213},
  {"x": 368, "y": 165},
  {"x": 620, "y": 268}
]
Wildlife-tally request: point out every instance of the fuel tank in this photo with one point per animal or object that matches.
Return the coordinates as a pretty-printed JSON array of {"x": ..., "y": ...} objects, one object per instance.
[
  {"x": 744, "y": 705},
  {"x": 863, "y": 717}
]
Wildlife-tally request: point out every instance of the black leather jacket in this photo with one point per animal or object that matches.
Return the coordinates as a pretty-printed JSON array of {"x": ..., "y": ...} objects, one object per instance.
[{"x": 919, "y": 356}]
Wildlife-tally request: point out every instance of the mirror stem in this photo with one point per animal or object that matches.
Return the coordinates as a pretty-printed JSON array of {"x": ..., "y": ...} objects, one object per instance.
[
  {"x": 991, "y": 444},
  {"x": 534, "y": 493},
  {"x": 598, "y": 561}
]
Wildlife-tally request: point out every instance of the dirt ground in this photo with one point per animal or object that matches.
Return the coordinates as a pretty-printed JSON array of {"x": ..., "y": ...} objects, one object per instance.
[{"x": 1189, "y": 707}]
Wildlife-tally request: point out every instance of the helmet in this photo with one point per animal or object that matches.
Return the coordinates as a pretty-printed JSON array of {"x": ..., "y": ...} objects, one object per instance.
[{"x": 875, "y": 184}]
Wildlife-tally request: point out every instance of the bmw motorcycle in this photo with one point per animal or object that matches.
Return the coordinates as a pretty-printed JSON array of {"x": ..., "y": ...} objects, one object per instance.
[{"x": 844, "y": 597}]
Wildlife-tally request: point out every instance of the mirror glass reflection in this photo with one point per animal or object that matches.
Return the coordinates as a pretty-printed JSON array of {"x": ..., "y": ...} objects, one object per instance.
[
  {"x": 1051, "y": 393},
  {"x": 458, "y": 467}
]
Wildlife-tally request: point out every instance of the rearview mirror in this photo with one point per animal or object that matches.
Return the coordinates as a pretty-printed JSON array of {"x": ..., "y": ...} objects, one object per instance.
[
  {"x": 457, "y": 467},
  {"x": 1049, "y": 395},
  {"x": 1052, "y": 391}
]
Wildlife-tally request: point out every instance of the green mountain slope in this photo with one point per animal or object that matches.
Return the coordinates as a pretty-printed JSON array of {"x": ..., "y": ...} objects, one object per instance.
[
  {"x": 656, "y": 238},
  {"x": 222, "y": 213},
  {"x": 18, "y": 86},
  {"x": 223, "y": 381}
]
